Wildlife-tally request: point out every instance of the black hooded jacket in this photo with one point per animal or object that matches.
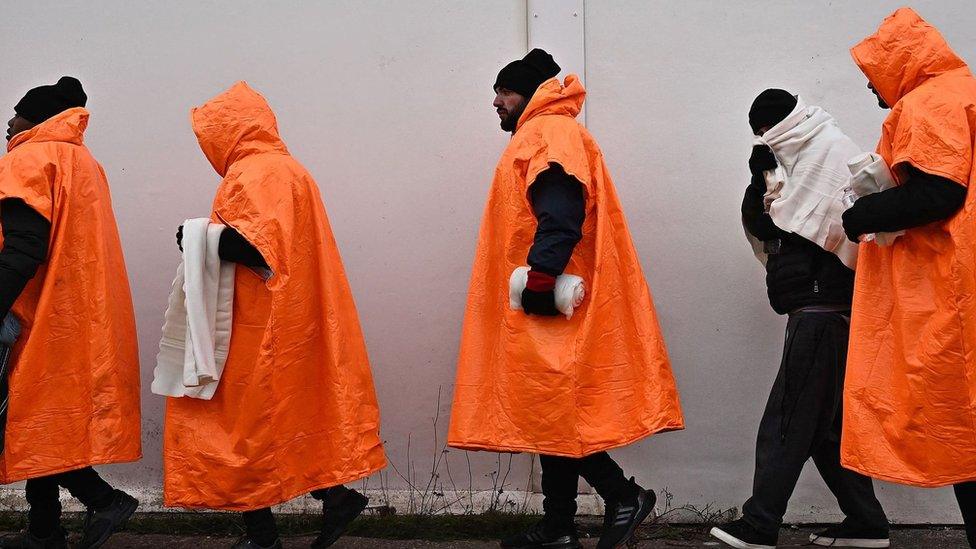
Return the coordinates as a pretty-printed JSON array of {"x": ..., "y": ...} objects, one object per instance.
[{"x": 799, "y": 273}]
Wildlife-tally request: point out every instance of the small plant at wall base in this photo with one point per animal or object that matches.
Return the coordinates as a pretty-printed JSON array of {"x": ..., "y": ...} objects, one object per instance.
[
  {"x": 437, "y": 507},
  {"x": 440, "y": 492},
  {"x": 438, "y": 503}
]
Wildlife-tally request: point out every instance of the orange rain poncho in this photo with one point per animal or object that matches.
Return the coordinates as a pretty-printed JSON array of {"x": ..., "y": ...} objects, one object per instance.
[
  {"x": 74, "y": 387},
  {"x": 911, "y": 375},
  {"x": 546, "y": 384},
  {"x": 295, "y": 410}
]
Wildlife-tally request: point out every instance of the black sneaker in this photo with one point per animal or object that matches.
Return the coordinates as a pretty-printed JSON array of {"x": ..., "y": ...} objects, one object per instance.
[
  {"x": 337, "y": 518},
  {"x": 544, "y": 535},
  {"x": 741, "y": 535},
  {"x": 101, "y": 524},
  {"x": 248, "y": 543},
  {"x": 622, "y": 519},
  {"x": 848, "y": 535},
  {"x": 57, "y": 540}
]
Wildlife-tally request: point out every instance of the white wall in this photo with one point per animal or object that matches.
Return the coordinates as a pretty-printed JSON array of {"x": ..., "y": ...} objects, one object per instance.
[{"x": 389, "y": 105}]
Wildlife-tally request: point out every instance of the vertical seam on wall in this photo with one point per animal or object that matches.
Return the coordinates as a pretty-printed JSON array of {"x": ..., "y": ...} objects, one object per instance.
[
  {"x": 527, "y": 23},
  {"x": 583, "y": 41}
]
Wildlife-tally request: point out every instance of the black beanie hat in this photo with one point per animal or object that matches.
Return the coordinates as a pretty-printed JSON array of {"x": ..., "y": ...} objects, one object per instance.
[
  {"x": 770, "y": 108},
  {"x": 43, "y": 102},
  {"x": 526, "y": 74}
]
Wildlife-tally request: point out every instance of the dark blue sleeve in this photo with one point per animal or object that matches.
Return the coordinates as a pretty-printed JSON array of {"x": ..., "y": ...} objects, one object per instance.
[
  {"x": 25, "y": 244},
  {"x": 560, "y": 209},
  {"x": 235, "y": 248}
]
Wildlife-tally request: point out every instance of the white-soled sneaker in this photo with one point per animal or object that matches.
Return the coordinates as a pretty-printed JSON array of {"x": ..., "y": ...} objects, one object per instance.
[
  {"x": 741, "y": 535},
  {"x": 847, "y": 535}
]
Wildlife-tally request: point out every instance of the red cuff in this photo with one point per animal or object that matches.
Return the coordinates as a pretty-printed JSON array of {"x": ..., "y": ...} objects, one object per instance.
[{"x": 540, "y": 282}]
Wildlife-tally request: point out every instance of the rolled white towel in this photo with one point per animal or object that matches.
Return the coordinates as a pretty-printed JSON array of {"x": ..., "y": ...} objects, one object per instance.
[
  {"x": 870, "y": 174},
  {"x": 569, "y": 291}
]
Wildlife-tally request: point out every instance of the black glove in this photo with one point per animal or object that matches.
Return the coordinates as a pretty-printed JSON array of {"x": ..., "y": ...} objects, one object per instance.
[
  {"x": 762, "y": 159},
  {"x": 539, "y": 303},
  {"x": 179, "y": 238},
  {"x": 853, "y": 223}
]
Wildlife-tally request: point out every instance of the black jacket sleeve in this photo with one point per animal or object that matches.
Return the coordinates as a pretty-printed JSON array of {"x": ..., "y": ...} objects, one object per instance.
[
  {"x": 26, "y": 234},
  {"x": 754, "y": 215},
  {"x": 924, "y": 198},
  {"x": 560, "y": 208},
  {"x": 234, "y": 247}
]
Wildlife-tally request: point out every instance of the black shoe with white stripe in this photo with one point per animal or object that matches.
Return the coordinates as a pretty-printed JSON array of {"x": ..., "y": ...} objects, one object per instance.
[
  {"x": 742, "y": 535},
  {"x": 622, "y": 519},
  {"x": 544, "y": 535},
  {"x": 850, "y": 535}
]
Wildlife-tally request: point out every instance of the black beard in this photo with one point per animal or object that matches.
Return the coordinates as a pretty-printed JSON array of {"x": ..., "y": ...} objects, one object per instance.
[
  {"x": 508, "y": 124},
  {"x": 511, "y": 122}
]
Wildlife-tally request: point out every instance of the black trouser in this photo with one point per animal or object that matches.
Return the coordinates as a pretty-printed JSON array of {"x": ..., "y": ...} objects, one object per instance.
[
  {"x": 803, "y": 420},
  {"x": 966, "y": 496},
  {"x": 560, "y": 478},
  {"x": 260, "y": 523},
  {"x": 45, "y": 507}
]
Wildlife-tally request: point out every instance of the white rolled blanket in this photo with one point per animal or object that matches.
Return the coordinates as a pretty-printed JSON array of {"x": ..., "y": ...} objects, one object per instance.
[
  {"x": 869, "y": 175},
  {"x": 197, "y": 325},
  {"x": 569, "y": 291}
]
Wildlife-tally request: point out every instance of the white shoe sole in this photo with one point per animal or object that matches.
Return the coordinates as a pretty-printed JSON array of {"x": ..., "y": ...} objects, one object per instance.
[
  {"x": 733, "y": 541},
  {"x": 849, "y": 542}
]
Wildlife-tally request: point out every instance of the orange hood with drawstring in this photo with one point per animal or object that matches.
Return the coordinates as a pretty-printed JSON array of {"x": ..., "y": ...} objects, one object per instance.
[
  {"x": 910, "y": 391},
  {"x": 74, "y": 386},
  {"x": 546, "y": 384},
  {"x": 295, "y": 410}
]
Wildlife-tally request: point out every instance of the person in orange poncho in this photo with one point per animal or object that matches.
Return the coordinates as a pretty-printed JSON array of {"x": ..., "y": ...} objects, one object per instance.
[
  {"x": 909, "y": 396},
  {"x": 74, "y": 385},
  {"x": 295, "y": 411},
  {"x": 530, "y": 380}
]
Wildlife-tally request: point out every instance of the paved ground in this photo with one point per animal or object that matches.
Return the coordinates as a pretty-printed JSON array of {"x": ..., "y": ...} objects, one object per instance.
[{"x": 936, "y": 538}]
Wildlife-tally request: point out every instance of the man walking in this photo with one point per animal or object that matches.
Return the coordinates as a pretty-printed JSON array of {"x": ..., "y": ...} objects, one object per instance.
[
  {"x": 532, "y": 380},
  {"x": 295, "y": 411},
  {"x": 814, "y": 287},
  {"x": 908, "y": 406},
  {"x": 74, "y": 385}
]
